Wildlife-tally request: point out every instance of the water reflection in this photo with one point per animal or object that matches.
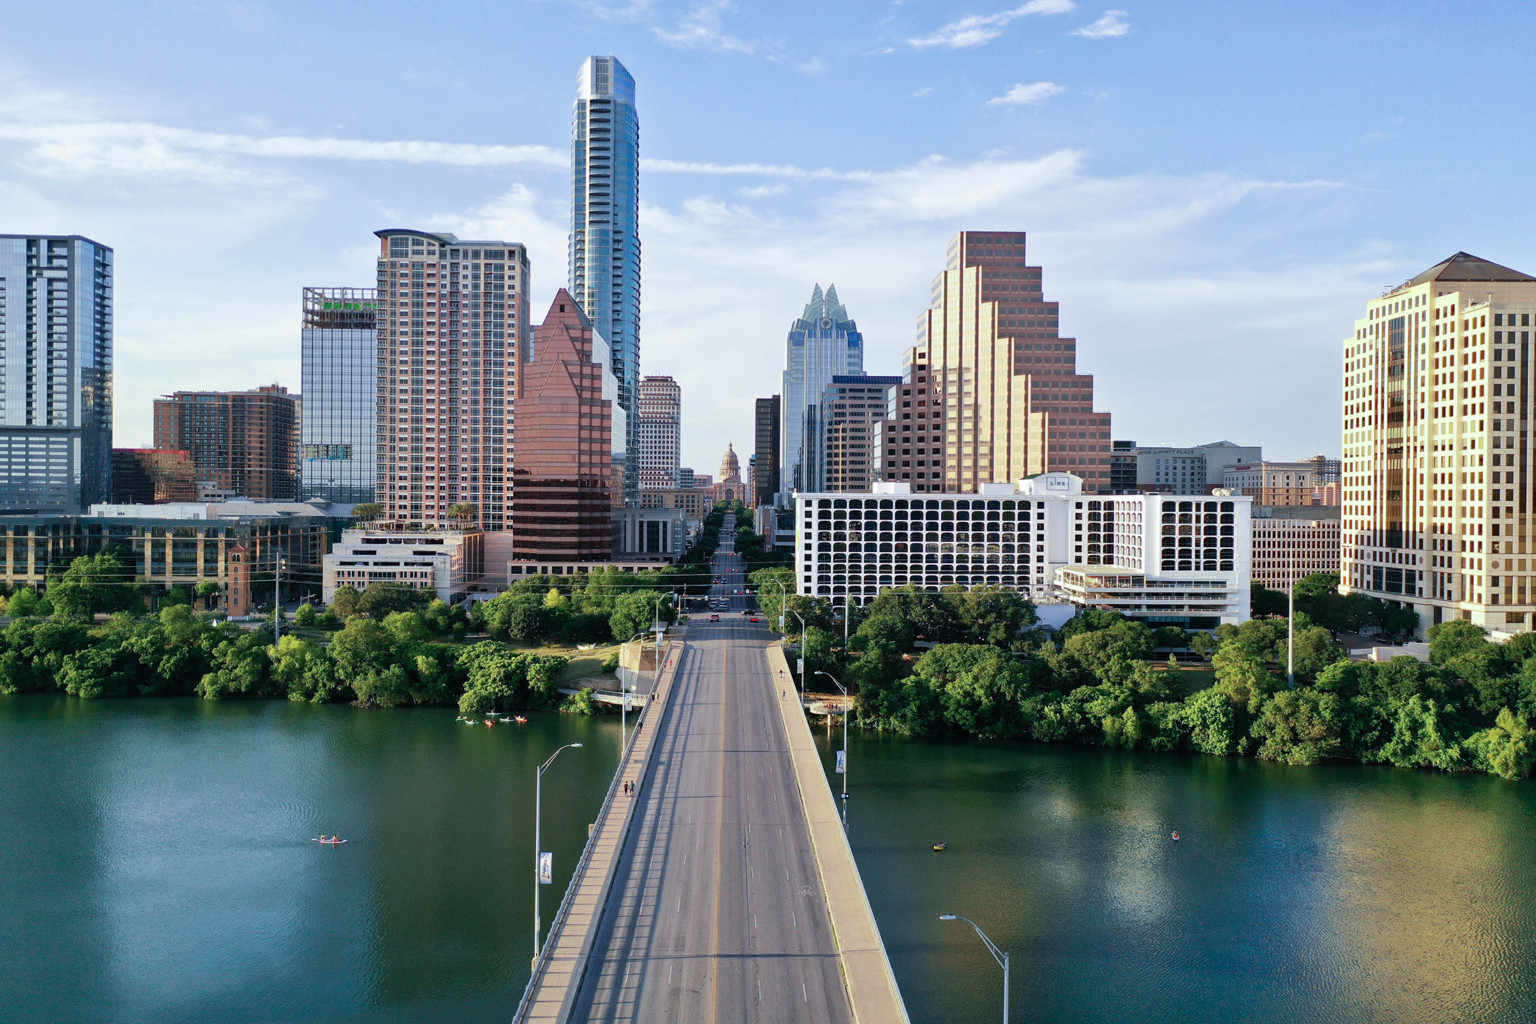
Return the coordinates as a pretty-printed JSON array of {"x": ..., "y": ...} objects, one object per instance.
[{"x": 1335, "y": 894}]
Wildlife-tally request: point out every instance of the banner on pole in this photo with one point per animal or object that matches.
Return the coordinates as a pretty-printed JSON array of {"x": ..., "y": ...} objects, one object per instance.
[
  {"x": 546, "y": 868},
  {"x": 799, "y": 666},
  {"x": 629, "y": 701},
  {"x": 842, "y": 762}
]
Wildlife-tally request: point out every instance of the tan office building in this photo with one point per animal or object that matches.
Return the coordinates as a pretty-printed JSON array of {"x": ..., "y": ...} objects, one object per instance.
[
  {"x": 1286, "y": 483},
  {"x": 1437, "y": 447},
  {"x": 1004, "y": 381}
]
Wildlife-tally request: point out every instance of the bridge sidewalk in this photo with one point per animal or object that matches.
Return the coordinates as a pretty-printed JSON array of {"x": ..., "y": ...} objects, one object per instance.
[
  {"x": 866, "y": 969},
  {"x": 557, "y": 973}
]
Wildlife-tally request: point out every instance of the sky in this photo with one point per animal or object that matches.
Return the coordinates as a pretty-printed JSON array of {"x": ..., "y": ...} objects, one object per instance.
[{"x": 1214, "y": 189}]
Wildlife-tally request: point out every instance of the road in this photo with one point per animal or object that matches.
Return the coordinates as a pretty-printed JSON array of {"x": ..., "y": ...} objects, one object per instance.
[{"x": 717, "y": 912}]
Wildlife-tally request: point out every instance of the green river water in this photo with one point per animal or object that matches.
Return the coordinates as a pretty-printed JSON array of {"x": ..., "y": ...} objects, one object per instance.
[{"x": 157, "y": 867}]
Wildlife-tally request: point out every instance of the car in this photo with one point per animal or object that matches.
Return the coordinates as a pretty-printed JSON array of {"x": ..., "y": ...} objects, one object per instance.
[
  {"x": 746, "y": 611},
  {"x": 714, "y": 618},
  {"x": 754, "y": 619}
]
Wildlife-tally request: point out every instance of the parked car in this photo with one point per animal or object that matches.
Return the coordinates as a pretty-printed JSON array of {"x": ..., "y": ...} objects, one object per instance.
[{"x": 714, "y": 618}]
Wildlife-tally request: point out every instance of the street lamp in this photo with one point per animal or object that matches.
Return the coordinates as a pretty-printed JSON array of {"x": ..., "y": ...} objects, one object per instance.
[
  {"x": 846, "y": 711},
  {"x": 997, "y": 954},
  {"x": 538, "y": 855}
]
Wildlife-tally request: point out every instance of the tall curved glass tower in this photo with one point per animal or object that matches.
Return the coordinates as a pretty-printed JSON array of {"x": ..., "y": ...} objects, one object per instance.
[
  {"x": 824, "y": 343},
  {"x": 605, "y": 235}
]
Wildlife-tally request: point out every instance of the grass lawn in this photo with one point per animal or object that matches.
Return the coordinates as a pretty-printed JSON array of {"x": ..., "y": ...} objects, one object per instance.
[{"x": 583, "y": 664}]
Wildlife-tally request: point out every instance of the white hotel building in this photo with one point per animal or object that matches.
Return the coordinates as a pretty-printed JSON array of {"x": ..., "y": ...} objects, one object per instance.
[{"x": 1167, "y": 559}]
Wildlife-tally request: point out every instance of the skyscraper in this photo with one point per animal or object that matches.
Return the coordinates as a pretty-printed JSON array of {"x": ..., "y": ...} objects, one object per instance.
[
  {"x": 1438, "y": 505},
  {"x": 563, "y": 502},
  {"x": 241, "y": 441},
  {"x": 339, "y": 364},
  {"x": 453, "y": 329},
  {"x": 1007, "y": 384},
  {"x": 911, "y": 442},
  {"x": 605, "y": 231},
  {"x": 661, "y": 412},
  {"x": 765, "y": 467},
  {"x": 847, "y": 455},
  {"x": 55, "y": 373},
  {"x": 822, "y": 344}
]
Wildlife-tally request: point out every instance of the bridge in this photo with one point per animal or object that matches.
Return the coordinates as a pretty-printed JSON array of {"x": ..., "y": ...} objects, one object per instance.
[{"x": 723, "y": 888}]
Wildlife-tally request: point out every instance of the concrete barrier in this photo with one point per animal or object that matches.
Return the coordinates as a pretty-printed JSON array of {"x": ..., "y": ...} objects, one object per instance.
[{"x": 867, "y": 971}]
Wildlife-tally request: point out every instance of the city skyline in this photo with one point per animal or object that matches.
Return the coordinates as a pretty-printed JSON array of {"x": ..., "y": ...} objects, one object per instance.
[{"x": 1256, "y": 217}]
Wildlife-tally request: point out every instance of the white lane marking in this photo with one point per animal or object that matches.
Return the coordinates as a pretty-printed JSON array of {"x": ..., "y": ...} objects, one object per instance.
[
  {"x": 804, "y": 995},
  {"x": 794, "y": 921},
  {"x": 759, "y": 989},
  {"x": 679, "y": 904},
  {"x": 754, "y": 922}
]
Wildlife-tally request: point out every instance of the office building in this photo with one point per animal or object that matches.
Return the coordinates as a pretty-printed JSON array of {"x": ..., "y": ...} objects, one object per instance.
[
  {"x": 1005, "y": 381},
  {"x": 238, "y": 545},
  {"x": 1437, "y": 512},
  {"x": 1292, "y": 541},
  {"x": 694, "y": 501},
  {"x": 152, "y": 476},
  {"x": 55, "y": 373},
  {"x": 1286, "y": 483},
  {"x": 1198, "y": 469},
  {"x": 911, "y": 438},
  {"x": 824, "y": 343},
  {"x": 242, "y": 442},
  {"x": 453, "y": 331},
  {"x": 339, "y": 367},
  {"x": 845, "y": 439},
  {"x": 765, "y": 455},
  {"x": 605, "y": 231},
  {"x": 661, "y": 417},
  {"x": 446, "y": 562},
  {"x": 571, "y": 430},
  {"x": 1166, "y": 559}
]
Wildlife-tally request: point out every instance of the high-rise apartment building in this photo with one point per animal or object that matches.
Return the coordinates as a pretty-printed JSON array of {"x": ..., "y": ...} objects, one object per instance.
[
  {"x": 605, "y": 229},
  {"x": 1437, "y": 475},
  {"x": 1006, "y": 382},
  {"x": 55, "y": 373},
  {"x": 452, "y": 331},
  {"x": 765, "y": 454},
  {"x": 825, "y": 342},
  {"x": 847, "y": 439},
  {"x": 661, "y": 417},
  {"x": 1291, "y": 541},
  {"x": 911, "y": 440},
  {"x": 242, "y": 442},
  {"x": 339, "y": 366},
  {"x": 569, "y": 434}
]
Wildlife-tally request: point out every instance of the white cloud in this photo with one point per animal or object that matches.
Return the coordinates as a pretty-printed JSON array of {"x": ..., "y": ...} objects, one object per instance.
[
  {"x": 703, "y": 29},
  {"x": 1112, "y": 24},
  {"x": 1024, "y": 95},
  {"x": 976, "y": 29}
]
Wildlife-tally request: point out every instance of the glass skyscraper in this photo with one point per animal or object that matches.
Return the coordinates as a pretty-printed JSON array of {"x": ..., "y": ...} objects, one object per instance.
[
  {"x": 824, "y": 343},
  {"x": 339, "y": 358},
  {"x": 605, "y": 234},
  {"x": 55, "y": 373}
]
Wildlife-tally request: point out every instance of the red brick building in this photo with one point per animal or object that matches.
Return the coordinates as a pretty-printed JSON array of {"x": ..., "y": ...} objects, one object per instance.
[{"x": 242, "y": 441}]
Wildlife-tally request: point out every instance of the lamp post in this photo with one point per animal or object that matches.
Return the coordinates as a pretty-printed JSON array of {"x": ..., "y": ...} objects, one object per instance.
[
  {"x": 538, "y": 855},
  {"x": 997, "y": 954},
  {"x": 846, "y": 711}
]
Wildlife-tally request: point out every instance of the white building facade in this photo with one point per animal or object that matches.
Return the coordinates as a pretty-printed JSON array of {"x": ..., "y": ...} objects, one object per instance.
[
  {"x": 445, "y": 562},
  {"x": 1166, "y": 559}
]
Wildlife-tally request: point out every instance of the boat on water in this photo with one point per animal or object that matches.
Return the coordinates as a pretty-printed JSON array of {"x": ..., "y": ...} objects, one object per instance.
[
  {"x": 1175, "y": 837},
  {"x": 937, "y": 847},
  {"x": 520, "y": 719},
  {"x": 490, "y": 721},
  {"x": 328, "y": 842}
]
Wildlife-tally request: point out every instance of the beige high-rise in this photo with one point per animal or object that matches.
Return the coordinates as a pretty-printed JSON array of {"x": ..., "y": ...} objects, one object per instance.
[
  {"x": 1005, "y": 383},
  {"x": 1437, "y": 451}
]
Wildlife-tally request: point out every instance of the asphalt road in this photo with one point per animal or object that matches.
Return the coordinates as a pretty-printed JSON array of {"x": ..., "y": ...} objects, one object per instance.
[{"x": 717, "y": 913}]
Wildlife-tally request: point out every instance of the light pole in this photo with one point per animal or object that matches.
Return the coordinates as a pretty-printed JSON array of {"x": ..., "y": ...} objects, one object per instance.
[
  {"x": 997, "y": 954},
  {"x": 538, "y": 855},
  {"x": 847, "y": 709}
]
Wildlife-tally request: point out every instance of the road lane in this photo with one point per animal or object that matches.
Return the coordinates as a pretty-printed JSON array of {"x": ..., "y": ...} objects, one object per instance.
[{"x": 717, "y": 913}]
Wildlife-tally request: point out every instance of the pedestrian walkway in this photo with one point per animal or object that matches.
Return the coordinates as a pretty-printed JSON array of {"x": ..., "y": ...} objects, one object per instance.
[
  {"x": 558, "y": 970},
  {"x": 866, "y": 969}
]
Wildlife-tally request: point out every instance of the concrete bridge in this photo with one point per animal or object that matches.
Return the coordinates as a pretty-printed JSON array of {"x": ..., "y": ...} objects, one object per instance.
[{"x": 724, "y": 888}]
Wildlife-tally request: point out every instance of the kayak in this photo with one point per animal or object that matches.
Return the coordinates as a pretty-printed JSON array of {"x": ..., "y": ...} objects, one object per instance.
[{"x": 328, "y": 842}]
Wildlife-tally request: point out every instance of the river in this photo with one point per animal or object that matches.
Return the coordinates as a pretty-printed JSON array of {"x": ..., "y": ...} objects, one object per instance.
[{"x": 157, "y": 867}]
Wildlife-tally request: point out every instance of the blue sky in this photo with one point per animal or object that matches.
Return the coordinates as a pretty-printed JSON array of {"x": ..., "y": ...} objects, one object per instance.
[{"x": 1214, "y": 189}]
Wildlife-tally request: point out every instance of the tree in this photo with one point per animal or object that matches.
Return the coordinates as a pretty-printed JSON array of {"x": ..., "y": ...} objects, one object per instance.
[
  {"x": 367, "y": 512},
  {"x": 1507, "y": 749},
  {"x": 363, "y": 652},
  {"x": 26, "y": 603},
  {"x": 1448, "y": 640},
  {"x": 304, "y": 670},
  {"x": 463, "y": 513},
  {"x": 1302, "y": 726},
  {"x": 91, "y": 584},
  {"x": 240, "y": 667}
]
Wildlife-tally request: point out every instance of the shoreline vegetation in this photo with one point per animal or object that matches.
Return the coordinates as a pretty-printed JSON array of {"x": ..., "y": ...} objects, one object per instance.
[
  {"x": 974, "y": 663},
  {"x": 385, "y": 646}
]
